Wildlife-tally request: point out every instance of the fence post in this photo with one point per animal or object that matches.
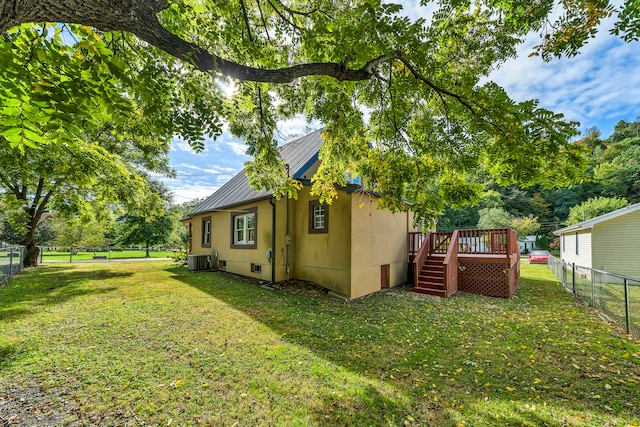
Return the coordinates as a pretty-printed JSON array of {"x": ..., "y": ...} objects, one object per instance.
[
  {"x": 10, "y": 263},
  {"x": 593, "y": 291},
  {"x": 41, "y": 253},
  {"x": 626, "y": 305},
  {"x": 573, "y": 277}
]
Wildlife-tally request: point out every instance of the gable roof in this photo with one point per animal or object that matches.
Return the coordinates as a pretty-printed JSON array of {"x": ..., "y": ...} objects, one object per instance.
[
  {"x": 299, "y": 155},
  {"x": 588, "y": 224}
]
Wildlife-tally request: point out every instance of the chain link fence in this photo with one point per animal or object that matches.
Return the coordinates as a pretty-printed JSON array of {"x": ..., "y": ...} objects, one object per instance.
[
  {"x": 11, "y": 261},
  {"x": 615, "y": 295}
]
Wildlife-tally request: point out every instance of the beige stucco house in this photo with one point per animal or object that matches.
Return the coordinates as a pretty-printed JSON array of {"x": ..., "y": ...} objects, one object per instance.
[
  {"x": 608, "y": 242},
  {"x": 349, "y": 247}
]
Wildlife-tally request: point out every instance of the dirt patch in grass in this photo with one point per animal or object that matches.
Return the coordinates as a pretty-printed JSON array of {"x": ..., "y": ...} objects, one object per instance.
[{"x": 33, "y": 406}]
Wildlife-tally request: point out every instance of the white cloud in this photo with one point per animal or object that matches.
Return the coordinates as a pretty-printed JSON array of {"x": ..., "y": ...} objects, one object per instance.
[
  {"x": 222, "y": 179},
  {"x": 595, "y": 87},
  {"x": 179, "y": 145},
  {"x": 186, "y": 193},
  {"x": 296, "y": 127},
  {"x": 238, "y": 148}
]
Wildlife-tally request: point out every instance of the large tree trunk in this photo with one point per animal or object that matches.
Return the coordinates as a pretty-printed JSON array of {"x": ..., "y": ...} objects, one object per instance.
[
  {"x": 33, "y": 252},
  {"x": 34, "y": 213},
  {"x": 31, "y": 260}
]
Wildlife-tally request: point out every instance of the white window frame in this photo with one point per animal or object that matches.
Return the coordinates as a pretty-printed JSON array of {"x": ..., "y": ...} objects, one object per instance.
[
  {"x": 206, "y": 232},
  {"x": 319, "y": 217},
  {"x": 244, "y": 240}
]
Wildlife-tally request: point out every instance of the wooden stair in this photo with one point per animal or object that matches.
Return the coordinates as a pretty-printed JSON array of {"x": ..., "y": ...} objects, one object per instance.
[{"x": 431, "y": 277}]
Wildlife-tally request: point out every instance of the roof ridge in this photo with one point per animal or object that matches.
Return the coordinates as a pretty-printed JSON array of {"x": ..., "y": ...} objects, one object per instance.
[{"x": 298, "y": 154}]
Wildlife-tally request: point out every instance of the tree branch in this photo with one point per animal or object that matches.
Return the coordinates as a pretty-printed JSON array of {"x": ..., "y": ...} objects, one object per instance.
[
  {"x": 139, "y": 17},
  {"x": 36, "y": 198},
  {"x": 245, "y": 16}
]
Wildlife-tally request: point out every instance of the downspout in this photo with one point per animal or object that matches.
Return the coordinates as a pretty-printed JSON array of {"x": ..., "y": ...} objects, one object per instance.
[
  {"x": 273, "y": 240},
  {"x": 287, "y": 237}
]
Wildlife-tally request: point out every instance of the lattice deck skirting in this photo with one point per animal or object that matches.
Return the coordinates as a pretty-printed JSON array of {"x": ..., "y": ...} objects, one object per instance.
[{"x": 490, "y": 279}]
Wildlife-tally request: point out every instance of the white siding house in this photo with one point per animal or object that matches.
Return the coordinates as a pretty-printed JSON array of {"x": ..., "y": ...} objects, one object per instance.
[{"x": 610, "y": 242}]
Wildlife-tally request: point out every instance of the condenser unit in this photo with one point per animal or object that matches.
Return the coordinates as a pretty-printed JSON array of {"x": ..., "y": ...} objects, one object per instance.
[{"x": 197, "y": 262}]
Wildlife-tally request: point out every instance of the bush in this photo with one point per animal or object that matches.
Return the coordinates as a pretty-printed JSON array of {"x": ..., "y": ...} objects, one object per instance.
[{"x": 180, "y": 257}]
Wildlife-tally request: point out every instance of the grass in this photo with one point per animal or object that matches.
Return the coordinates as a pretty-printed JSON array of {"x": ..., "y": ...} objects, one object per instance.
[
  {"x": 150, "y": 343},
  {"x": 608, "y": 296},
  {"x": 64, "y": 256}
]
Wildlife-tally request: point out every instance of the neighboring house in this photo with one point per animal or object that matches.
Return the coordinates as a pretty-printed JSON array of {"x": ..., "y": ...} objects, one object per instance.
[
  {"x": 349, "y": 247},
  {"x": 528, "y": 244},
  {"x": 608, "y": 242}
]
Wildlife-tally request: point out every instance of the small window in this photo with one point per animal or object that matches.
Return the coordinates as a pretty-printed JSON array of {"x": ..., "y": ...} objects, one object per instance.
[
  {"x": 222, "y": 265},
  {"x": 256, "y": 268},
  {"x": 243, "y": 229},
  {"x": 318, "y": 217},
  {"x": 206, "y": 232},
  {"x": 352, "y": 179}
]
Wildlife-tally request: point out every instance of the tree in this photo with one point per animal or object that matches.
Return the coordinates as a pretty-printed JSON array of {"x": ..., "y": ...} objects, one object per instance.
[
  {"x": 87, "y": 230},
  {"x": 594, "y": 207},
  {"x": 180, "y": 236},
  {"x": 78, "y": 178},
  {"x": 525, "y": 226},
  {"x": 44, "y": 233},
  {"x": 619, "y": 173},
  {"x": 431, "y": 115},
  {"x": 152, "y": 223},
  {"x": 494, "y": 218}
]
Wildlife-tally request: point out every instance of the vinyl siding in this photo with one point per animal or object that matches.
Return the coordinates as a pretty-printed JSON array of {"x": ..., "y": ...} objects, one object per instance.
[
  {"x": 568, "y": 248},
  {"x": 615, "y": 245}
]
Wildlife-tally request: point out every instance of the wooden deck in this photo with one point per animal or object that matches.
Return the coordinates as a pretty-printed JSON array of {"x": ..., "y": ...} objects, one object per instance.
[{"x": 485, "y": 262}]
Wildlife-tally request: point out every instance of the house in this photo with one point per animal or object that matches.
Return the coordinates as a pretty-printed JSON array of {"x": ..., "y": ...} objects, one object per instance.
[
  {"x": 528, "y": 244},
  {"x": 349, "y": 246},
  {"x": 608, "y": 242}
]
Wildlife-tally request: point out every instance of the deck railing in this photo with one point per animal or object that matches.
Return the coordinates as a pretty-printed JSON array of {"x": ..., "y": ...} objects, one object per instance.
[
  {"x": 450, "y": 264},
  {"x": 416, "y": 238},
  {"x": 485, "y": 241},
  {"x": 420, "y": 256},
  {"x": 439, "y": 243}
]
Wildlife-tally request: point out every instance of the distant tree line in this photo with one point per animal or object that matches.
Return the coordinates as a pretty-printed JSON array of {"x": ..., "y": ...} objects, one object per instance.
[
  {"x": 155, "y": 222},
  {"x": 611, "y": 181}
]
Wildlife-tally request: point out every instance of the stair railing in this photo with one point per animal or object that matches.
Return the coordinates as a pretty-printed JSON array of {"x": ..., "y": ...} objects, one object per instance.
[
  {"x": 450, "y": 263},
  {"x": 421, "y": 256}
]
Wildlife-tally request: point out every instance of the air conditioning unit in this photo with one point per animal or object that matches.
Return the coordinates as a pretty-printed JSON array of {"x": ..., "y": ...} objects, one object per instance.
[{"x": 197, "y": 262}]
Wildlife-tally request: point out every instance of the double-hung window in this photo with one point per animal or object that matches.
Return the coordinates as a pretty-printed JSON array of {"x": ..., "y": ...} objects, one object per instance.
[{"x": 244, "y": 227}]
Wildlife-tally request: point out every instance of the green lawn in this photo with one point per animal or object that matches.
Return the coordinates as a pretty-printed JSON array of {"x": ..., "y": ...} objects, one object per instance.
[
  {"x": 64, "y": 256},
  {"x": 150, "y": 343}
]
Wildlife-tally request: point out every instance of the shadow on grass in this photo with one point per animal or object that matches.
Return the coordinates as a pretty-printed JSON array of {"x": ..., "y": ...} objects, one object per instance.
[
  {"x": 419, "y": 345},
  {"x": 48, "y": 286}
]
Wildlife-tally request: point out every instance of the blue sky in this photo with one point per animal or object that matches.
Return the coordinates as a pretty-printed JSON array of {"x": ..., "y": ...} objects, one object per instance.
[{"x": 599, "y": 87}]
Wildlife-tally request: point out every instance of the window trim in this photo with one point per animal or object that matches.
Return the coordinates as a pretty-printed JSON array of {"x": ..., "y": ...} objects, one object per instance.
[
  {"x": 203, "y": 242},
  {"x": 312, "y": 229},
  {"x": 244, "y": 212}
]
